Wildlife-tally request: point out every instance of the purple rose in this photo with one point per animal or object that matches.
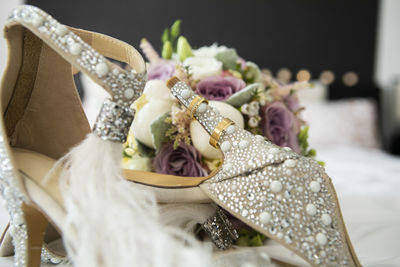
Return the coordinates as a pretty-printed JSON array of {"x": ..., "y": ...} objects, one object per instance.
[
  {"x": 183, "y": 161},
  {"x": 292, "y": 102},
  {"x": 161, "y": 70},
  {"x": 219, "y": 88},
  {"x": 279, "y": 125}
]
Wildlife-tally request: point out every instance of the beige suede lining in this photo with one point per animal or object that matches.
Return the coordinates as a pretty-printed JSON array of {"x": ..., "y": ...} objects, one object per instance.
[
  {"x": 44, "y": 113},
  {"x": 25, "y": 82}
]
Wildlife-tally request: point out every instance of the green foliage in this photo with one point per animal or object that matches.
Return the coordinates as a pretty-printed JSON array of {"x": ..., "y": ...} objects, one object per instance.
[
  {"x": 167, "y": 50},
  {"x": 252, "y": 73},
  {"x": 305, "y": 146},
  {"x": 144, "y": 150},
  {"x": 173, "y": 42},
  {"x": 229, "y": 59},
  {"x": 244, "y": 95},
  {"x": 184, "y": 50},
  {"x": 158, "y": 129},
  {"x": 250, "y": 238},
  {"x": 303, "y": 140},
  {"x": 165, "y": 35},
  {"x": 175, "y": 30}
]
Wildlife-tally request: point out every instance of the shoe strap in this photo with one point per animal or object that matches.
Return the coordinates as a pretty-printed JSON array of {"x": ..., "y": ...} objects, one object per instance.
[
  {"x": 74, "y": 45},
  {"x": 197, "y": 107},
  {"x": 243, "y": 152},
  {"x": 113, "y": 48}
]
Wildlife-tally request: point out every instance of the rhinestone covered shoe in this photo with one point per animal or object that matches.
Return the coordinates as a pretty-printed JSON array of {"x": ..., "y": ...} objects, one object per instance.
[
  {"x": 285, "y": 196},
  {"x": 42, "y": 116}
]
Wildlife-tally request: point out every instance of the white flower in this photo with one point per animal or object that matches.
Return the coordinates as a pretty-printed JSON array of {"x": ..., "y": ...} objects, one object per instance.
[
  {"x": 254, "y": 108},
  {"x": 155, "y": 101},
  {"x": 200, "y": 137},
  {"x": 253, "y": 122},
  {"x": 245, "y": 109},
  {"x": 209, "y": 51},
  {"x": 201, "y": 67},
  {"x": 137, "y": 163},
  {"x": 158, "y": 90}
]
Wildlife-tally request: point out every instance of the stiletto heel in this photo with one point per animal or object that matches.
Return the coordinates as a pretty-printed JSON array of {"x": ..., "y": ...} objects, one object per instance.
[{"x": 36, "y": 224}]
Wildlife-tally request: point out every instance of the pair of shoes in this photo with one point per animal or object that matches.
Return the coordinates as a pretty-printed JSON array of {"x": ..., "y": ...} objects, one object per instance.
[{"x": 285, "y": 196}]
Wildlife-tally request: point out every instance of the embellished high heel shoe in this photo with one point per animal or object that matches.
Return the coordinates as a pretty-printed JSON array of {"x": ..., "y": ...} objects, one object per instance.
[
  {"x": 42, "y": 117},
  {"x": 285, "y": 196}
]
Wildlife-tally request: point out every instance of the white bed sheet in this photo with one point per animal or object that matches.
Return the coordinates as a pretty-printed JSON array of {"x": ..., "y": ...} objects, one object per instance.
[{"x": 367, "y": 182}]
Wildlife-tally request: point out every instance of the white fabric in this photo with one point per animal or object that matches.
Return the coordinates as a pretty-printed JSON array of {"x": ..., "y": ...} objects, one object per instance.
[{"x": 344, "y": 122}]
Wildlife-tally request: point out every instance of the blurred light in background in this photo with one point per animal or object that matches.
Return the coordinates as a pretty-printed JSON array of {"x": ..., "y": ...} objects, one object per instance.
[
  {"x": 303, "y": 75},
  {"x": 327, "y": 77},
  {"x": 350, "y": 78},
  {"x": 284, "y": 75}
]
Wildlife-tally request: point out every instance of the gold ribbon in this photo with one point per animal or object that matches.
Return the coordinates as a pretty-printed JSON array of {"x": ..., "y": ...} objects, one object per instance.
[
  {"x": 194, "y": 105},
  {"x": 216, "y": 134}
]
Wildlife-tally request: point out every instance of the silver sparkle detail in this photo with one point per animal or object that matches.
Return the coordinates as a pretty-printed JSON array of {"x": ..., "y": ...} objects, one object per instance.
[
  {"x": 113, "y": 122},
  {"x": 220, "y": 230}
]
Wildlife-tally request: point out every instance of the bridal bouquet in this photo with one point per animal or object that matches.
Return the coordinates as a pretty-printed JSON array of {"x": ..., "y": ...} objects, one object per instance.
[{"x": 163, "y": 139}]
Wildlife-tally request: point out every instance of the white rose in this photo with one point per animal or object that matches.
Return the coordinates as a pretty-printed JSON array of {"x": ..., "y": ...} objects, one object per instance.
[
  {"x": 158, "y": 90},
  {"x": 200, "y": 137},
  {"x": 209, "y": 51},
  {"x": 201, "y": 67},
  {"x": 157, "y": 101}
]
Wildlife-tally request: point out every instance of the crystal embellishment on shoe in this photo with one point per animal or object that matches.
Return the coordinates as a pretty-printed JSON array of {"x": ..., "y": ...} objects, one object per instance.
[
  {"x": 220, "y": 230},
  {"x": 126, "y": 86},
  {"x": 14, "y": 200},
  {"x": 277, "y": 192},
  {"x": 113, "y": 121},
  {"x": 50, "y": 258}
]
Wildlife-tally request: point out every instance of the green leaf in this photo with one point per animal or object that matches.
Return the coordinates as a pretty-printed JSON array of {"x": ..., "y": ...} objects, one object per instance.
[
  {"x": 256, "y": 241},
  {"x": 243, "y": 241},
  {"x": 311, "y": 153},
  {"x": 165, "y": 36},
  {"x": 184, "y": 49},
  {"x": 167, "y": 50},
  {"x": 303, "y": 140},
  {"x": 229, "y": 58},
  {"x": 175, "y": 29},
  {"x": 249, "y": 238},
  {"x": 252, "y": 73},
  {"x": 322, "y": 163},
  {"x": 144, "y": 150},
  {"x": 244, "y": 95},
  {"x": 158, "y": 129}
]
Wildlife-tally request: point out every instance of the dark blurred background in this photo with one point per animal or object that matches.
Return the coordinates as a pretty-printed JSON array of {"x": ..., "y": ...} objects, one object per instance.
[{"x": 302, "y": 34}]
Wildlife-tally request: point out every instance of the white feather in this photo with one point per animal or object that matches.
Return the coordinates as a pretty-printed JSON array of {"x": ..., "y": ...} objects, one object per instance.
[
  {"x": 186, "y": 216},
  {"x": 111, "y": 222}
]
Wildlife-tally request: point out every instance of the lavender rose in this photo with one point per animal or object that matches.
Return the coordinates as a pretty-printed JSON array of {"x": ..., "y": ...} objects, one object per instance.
[
  {"x": 219, "y": 88},
  {"x": 279, "y": 125},
  {"x": 183, "y": 161},
  {"x": 292, "y": 102},
  {"x": 161, "y": 70}
]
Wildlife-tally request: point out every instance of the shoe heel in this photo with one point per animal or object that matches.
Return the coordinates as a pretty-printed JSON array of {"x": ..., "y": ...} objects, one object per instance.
[
  {"x": 36, "y": 224},
  {"x": 28, "y": 228}
]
